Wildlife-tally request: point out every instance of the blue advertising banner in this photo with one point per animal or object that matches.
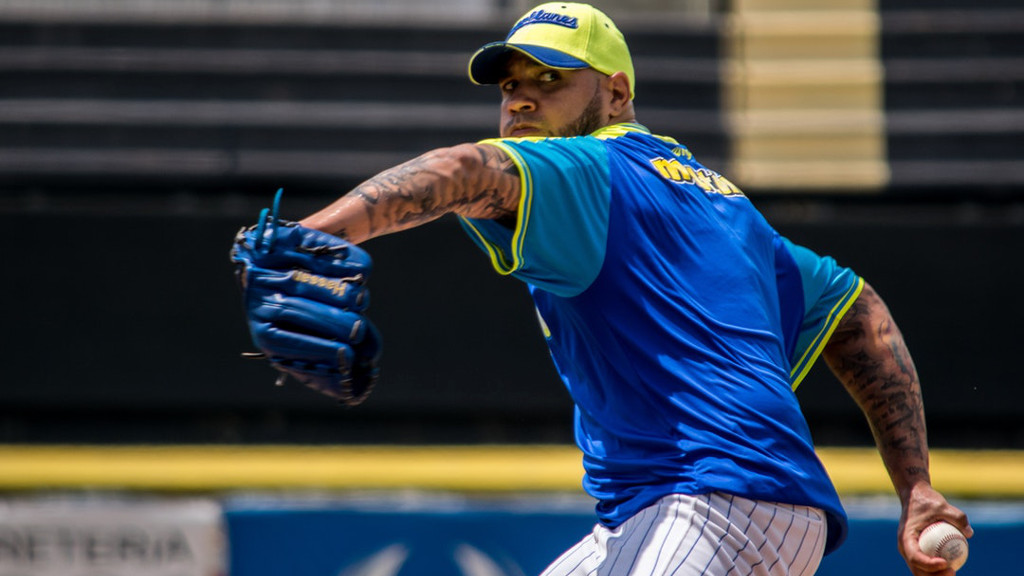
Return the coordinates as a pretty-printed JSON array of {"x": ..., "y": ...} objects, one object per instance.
[
  {"x": 871, "y": 546},
  {"x": 377, "y": 539},
  {"x": 464, "y": 537}
]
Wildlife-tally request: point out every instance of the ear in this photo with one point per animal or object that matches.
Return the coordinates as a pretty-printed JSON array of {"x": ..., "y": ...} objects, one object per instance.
[{"x": 621, "y": 97}]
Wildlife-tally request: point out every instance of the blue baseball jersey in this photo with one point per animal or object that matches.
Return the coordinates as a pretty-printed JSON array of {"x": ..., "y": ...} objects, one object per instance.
[{"x": 679, "y": 320}]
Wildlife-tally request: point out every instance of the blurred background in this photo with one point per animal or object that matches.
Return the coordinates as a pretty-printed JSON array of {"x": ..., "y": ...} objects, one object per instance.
[{"x": 137, "y": 136}]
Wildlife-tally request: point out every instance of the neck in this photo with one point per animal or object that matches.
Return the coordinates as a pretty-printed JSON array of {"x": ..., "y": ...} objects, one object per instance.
[{"x": 627, "y": 115}]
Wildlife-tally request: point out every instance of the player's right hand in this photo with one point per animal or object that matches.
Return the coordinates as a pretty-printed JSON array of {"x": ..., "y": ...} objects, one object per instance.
[{"x": 921, "y": 508}]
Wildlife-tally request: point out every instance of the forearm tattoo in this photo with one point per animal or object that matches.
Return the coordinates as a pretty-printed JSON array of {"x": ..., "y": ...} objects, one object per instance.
[
  {"x": 868, "y": 354},
  {"x": 477, "y": 181}
]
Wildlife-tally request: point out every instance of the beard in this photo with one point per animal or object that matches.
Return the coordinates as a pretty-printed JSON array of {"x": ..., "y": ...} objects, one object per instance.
[{"x": 587, "y": 122}]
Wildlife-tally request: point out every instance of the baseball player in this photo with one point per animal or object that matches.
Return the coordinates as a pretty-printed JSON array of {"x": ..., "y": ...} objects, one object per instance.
[{"x": 679, "y": 320}]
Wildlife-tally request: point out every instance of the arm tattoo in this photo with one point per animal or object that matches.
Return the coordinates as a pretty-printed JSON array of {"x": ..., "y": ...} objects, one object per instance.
[
  {"x": 477, "y": 181},
  {"x": 868, "y": 354}
]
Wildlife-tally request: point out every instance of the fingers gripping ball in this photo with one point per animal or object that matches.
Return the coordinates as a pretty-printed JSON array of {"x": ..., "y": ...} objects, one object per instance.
[
  {"x": 304, "y": 294},
  {"x": 942, "y": 539}
]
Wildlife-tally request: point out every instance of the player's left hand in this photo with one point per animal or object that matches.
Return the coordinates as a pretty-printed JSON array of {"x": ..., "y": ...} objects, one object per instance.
[
  {"x": 923, "y": 507},
  {"x": 304, "y": 293}
]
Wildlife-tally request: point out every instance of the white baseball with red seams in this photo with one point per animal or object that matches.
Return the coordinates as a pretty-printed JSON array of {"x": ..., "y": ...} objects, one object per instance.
[{"x": 942, "y": 539}]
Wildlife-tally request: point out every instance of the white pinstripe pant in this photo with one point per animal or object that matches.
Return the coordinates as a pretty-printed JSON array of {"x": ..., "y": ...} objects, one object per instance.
[{"x": 710, "y": 534}]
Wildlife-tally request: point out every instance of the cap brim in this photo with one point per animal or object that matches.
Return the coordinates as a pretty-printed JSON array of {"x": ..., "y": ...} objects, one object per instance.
[{"x": 488, "y": 64}]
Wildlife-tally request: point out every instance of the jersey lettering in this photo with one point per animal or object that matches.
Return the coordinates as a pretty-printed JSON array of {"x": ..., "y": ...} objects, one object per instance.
[{"x": 707, "y": 180}]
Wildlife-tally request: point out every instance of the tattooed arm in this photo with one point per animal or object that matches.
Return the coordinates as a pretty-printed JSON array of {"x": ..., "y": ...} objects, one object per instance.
[
  {"x": 868, "y": 354},
  {"x": 473, "y": 180}
]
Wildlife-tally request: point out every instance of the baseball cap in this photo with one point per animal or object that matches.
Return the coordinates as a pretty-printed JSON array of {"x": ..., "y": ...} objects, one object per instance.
[{"x": 562, "y": 35}]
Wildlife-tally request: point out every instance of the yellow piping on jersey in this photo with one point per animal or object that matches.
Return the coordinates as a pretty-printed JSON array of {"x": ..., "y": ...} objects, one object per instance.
[
  {"x": 496, "y": 255},
  {"x": 803, "y": 366},
  {"x": 502, "y": 263},
  {"x": 525, "y": 203}
]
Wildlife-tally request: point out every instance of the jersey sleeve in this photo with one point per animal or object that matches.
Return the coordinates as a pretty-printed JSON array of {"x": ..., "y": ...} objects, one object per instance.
[
  {"x": 828, "y": 292},
  {"x": 558, "y": 243}
]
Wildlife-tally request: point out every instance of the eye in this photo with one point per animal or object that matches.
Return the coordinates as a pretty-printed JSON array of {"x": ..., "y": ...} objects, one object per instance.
[
  {"x": 549, "y": 76},
  {"x": 508, "y": 86}
]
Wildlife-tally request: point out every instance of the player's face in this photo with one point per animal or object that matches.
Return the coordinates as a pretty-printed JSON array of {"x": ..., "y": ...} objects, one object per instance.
[{"x": 541, "y": 101}]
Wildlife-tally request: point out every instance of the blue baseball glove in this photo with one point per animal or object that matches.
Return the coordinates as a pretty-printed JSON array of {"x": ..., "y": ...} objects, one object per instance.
[{"x": 304, "y": 293}]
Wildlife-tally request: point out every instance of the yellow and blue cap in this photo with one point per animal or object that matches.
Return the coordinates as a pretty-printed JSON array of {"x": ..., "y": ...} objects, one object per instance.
[{"x": 563, "y": 35}]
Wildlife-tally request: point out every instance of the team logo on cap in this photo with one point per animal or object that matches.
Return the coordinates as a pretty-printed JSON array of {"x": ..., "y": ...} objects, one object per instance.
[{"x": 542, "y": 17}]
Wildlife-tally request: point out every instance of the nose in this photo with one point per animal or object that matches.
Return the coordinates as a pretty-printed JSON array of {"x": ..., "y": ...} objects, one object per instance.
[{"x": 518, "y": 102}]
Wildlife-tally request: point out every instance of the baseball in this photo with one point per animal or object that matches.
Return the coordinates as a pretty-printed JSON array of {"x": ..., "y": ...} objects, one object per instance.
[{"x": 944, "y": 540}]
